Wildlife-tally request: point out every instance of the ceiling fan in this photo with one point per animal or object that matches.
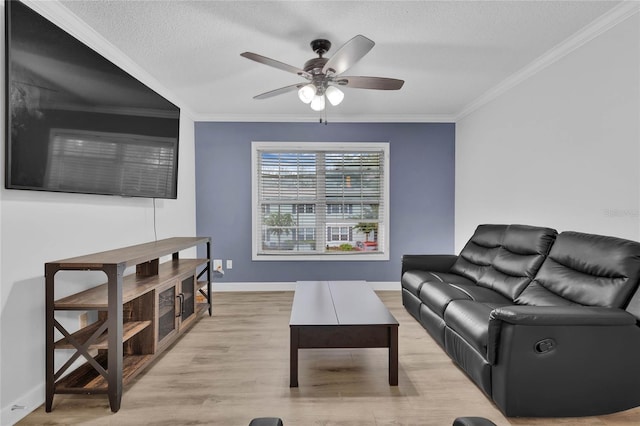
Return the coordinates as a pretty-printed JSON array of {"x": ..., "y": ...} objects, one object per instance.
[{"x": 324, "y": 75}]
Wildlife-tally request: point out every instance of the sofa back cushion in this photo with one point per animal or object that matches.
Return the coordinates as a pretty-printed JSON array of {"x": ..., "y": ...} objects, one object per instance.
[
  {"x": 586, "y": 269},
  {"x": 518, "y": 259},
  {"x": 478, "y": 253}
]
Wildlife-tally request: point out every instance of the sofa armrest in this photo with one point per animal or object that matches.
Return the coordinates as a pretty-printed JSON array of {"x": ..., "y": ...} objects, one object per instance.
[
  {"x": 555, "y": 361},
  {"x": 428, "y": 262},
  {"x": 562, "y": 315},
  {"x": 551, "y": 316}
]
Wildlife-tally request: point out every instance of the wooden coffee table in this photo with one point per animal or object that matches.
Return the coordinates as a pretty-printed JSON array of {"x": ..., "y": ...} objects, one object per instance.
[{"x": 340, "y": 314}]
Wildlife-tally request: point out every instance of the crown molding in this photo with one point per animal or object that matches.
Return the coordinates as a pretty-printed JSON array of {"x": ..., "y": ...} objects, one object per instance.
[
  {"x": 57, "y": 13},
  {"x": 604, "y": 23},
  {"x": 306, "y": 118}
]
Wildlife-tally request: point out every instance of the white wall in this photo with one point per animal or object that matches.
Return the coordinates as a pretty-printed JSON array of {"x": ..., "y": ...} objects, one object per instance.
[
  {"x": 36, "y": 227},
  {"x": 560, "y": 149}
]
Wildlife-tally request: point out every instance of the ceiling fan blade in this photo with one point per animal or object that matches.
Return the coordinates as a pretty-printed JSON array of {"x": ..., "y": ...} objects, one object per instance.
[
  {"x": 379, "y": 83},
  {"x": 348, "y": 54},
  {"x": 279, "y": 91},
  {"x": 276, "y": 64}
]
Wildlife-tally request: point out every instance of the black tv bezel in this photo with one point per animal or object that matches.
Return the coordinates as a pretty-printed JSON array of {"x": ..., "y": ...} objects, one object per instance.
[{"x": 8, "y": 122}]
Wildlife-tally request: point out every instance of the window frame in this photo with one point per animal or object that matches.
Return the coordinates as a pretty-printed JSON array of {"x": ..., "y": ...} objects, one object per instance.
[{"x": 381, "y": 255}]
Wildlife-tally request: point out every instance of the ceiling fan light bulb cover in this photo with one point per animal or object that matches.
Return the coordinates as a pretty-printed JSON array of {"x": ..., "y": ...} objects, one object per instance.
[
  {"x": 306, "y": 93},
  {"x": 334, "y": 95},
  {"x": 317, "y": 104}
]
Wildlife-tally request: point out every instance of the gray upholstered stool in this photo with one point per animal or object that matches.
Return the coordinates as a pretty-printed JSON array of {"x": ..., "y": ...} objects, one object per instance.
[
  {"x": 266, "y": 421},
  {"x": 473, "y": 421}
]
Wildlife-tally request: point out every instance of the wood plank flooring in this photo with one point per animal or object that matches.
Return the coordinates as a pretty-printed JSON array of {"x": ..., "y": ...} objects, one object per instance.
[{"x": 234, "y": 366}]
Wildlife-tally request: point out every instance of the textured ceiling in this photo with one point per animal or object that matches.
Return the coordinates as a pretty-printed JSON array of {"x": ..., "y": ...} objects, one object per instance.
[{"x": 448, "y": 52}]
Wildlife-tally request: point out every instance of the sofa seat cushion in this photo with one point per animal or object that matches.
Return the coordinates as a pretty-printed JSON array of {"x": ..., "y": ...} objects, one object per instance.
[
  {"x": 451, "y": 278},
  {"x": 484, "y": 295},
  {"x": 586, "y": 269},
  {"x": 471, "y": 321},
  {"x": 437, "y": 296},
  {"x": 413, "y": 280}
]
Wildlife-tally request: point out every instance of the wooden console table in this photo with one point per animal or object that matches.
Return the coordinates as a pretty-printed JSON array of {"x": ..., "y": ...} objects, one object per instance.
[{"x": 138, "y": 315}]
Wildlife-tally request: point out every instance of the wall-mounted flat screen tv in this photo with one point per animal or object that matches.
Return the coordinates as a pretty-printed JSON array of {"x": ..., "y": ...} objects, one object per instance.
[{"x": 78, "y": 123}]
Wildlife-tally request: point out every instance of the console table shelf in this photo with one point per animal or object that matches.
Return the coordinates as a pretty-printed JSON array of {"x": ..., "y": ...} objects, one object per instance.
[
  {"x": 138, "y": 315},
  {"x": 133, "y": 286},
  {"x": 129, "y": 329},
  {"x": 86, "y": 379}
]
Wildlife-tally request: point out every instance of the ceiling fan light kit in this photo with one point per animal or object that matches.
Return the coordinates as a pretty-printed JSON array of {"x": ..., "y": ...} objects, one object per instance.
[
  {"x": 317, "y": 104},
  {"x": 334, "y": 95},
  {"x": 324, "y": 74},
  {"x": 306, "y": 93}
]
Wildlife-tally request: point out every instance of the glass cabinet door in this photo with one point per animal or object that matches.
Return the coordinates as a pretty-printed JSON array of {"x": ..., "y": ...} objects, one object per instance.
[
  {"x": 188, "y": 298},
  {"x": 166, "y": 313}
]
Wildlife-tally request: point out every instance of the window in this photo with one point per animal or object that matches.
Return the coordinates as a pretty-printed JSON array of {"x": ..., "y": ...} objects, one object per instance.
[
  {"x": 320, "y": 201},
  {"x": 303, "y": 208},
  {"x": 339, "y": 233}
]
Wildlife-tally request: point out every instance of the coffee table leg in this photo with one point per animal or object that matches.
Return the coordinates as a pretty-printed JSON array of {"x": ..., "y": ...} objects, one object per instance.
[
  {"x": 393, "y": 356},
  {"x": 293, "y": 357}
]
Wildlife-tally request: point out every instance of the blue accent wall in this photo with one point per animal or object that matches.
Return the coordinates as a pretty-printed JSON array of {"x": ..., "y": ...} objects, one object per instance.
[{"x": 422, "y": 161}]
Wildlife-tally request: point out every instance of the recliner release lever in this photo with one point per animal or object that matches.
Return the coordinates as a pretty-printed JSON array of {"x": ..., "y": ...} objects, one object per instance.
[{"x": 544, "y": 346}]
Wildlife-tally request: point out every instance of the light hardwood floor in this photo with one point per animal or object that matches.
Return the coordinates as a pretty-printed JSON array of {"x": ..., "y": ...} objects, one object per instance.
[{"x": 234, "y": 366}]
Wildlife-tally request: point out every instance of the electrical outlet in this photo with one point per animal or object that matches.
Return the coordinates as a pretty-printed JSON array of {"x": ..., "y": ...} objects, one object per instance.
[
  {"x": 229, "y": 264},
  {"x": 217, "y": 264}
]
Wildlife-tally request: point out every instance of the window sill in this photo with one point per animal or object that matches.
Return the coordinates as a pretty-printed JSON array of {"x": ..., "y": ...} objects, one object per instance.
[{"x": 360, "y": 257}]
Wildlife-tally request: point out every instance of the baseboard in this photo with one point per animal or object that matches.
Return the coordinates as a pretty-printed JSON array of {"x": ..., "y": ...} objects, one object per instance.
[
  {"x": 290, "y": 286},
  {"x": 17, "y": 410}
]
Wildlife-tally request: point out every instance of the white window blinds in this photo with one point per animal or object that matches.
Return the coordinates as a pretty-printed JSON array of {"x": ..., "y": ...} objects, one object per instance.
[{"x": 324, "y": 200}]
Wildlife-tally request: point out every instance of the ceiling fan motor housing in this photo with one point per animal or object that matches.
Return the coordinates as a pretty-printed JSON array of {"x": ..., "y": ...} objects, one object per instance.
[
  {"x": 320, "y": 46},
  {"x": 314, "y": 66}
]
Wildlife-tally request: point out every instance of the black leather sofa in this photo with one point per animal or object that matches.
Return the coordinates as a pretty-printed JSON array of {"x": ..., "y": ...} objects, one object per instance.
[{"x": 545, "y": 324}]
